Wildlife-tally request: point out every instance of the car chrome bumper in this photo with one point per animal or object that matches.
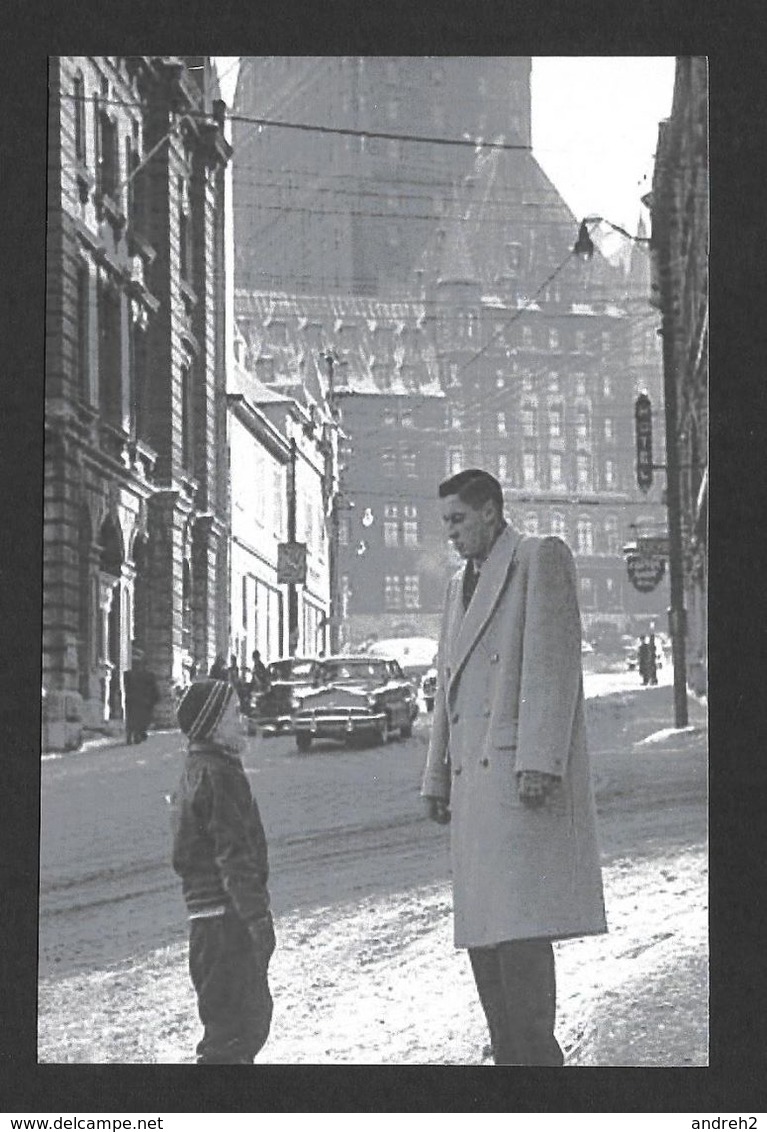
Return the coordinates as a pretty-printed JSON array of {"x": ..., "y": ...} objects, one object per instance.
[{"x": 338, "y": 723}]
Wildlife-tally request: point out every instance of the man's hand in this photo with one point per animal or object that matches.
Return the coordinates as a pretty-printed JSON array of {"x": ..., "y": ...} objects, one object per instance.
[
  {"x": 535, "y": 787},
  {"x": 262, "y": 934},
  {"x": 437, "y": 810}
]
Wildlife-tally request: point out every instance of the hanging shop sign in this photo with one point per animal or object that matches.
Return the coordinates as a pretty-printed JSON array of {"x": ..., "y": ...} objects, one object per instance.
[
  {"x": 645, "y": 571},
  {"x": 643, "y": 425},
  {"x": 291, "y": 563}
]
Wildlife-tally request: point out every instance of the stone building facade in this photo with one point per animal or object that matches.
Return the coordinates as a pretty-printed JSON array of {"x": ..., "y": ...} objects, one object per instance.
[
  {"x": 680, "y": 233},
  {"x": 464, "y": 330},
  {"x": 281, "y": 458},
  {"x": 136, "y": 500}
]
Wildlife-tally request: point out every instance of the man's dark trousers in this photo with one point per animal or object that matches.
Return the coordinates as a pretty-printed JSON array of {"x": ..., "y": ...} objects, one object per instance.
[
  {"x": 233, "y": 998},
  {"x": 517, "y": 989}
]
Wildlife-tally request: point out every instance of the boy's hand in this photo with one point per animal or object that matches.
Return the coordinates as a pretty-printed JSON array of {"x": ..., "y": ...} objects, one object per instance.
[
  {"x": 535, "y": 786},
  {"x": 262, "y": 934}
]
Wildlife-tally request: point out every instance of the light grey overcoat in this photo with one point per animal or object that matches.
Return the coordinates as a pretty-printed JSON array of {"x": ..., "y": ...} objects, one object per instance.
[{"x": 510, "y": 698}]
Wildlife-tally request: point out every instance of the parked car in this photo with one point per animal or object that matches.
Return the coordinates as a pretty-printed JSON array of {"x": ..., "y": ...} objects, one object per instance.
[
  {"x": 271, "y": 711},
  {"x": 356, "y": 696},
  {"x": 429, "y": 688},
  {"x": 415, "y": 655}
]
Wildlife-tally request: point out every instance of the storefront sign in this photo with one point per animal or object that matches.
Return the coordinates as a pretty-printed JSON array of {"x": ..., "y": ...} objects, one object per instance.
[{"x": 291, "y": 563}]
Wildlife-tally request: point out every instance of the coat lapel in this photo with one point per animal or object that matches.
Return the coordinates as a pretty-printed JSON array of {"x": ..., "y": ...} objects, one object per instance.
[{"x": 492, "y": 579}]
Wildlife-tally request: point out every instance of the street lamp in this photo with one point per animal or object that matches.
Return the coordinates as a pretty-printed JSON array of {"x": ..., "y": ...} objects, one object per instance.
[
  {"x": 584, "y": 249},
  {"x": 584, "y": 245}
]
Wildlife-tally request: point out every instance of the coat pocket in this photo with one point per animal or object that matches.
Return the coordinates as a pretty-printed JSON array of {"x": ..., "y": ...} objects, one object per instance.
[{"x": 504, "y": 733}]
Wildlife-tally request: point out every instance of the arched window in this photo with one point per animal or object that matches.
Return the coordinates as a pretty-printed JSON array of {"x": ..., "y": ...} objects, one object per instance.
[
  {"x": 558, "y": 525},
  {"x": 530, "y": 525},
  {"x": 585, "y": 535},
  {"x": 611, "y": 535}
]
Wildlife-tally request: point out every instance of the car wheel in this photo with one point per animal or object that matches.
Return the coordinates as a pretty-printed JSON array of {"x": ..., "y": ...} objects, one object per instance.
[
  {"x": 406, "y": 730},
  {"x": 303, "y": 741},
  {"x": 429, "y": 703}
]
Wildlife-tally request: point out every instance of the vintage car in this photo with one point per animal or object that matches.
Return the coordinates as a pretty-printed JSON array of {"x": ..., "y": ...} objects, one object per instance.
[
  {"x": 429, "y": 688},
  {"x": 356, "y": 697},
  {"x": 271, "y": 711}
]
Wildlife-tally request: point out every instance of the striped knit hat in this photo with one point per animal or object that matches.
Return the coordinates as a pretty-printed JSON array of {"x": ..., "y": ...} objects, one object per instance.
[{"x": 200, "y": 711}]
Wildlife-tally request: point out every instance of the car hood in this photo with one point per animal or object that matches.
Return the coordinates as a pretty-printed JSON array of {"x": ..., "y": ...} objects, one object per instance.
[{"x": 337, "y": 693}]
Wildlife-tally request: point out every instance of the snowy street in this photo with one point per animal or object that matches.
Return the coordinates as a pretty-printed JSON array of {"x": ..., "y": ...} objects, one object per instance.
[{"x": 365, "y": 971}]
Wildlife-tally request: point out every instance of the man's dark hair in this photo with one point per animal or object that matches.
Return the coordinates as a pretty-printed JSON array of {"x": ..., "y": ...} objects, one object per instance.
[{"x": 475, "y": 487}]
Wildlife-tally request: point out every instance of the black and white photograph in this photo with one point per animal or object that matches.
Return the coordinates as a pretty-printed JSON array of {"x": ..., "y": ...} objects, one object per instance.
[{"x": 374, "y": 719}]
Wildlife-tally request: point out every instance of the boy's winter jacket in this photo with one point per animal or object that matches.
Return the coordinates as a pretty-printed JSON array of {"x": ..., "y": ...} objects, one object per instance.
[{"x": 219, "y": 846}]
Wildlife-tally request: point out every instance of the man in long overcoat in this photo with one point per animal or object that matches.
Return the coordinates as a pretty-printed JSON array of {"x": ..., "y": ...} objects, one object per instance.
[
  {"x": 141, "y": 695},
  {"x": 508, "y": 766}
]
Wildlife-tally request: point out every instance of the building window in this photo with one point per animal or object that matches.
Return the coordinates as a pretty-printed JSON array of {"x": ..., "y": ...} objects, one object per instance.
[
  {"x": 529, "y": 474},
  {"x": 453, "y": 417},
  {"x": 555, "y": 468},
  {"x": 389, "y": 417},
  {"x": 587, "y": 592},
  {"x": 344, "y": 530},
  {"x": 530, "y": 524},
  {"x": 109, "y": 158},
  {"x": 406, "y": 419},
  {"x": 528, "y": 419},
  {"x": 500, "y": 380},
  {"x": 607, "y": 385},
  {"x": 582, "y": 425},
  {"x": 110, "y": 353},
  {"x": 187, "y": 419},
  {"x": 585, "y": 536},
  {"x": 584, "y": 470},
  {"x": 606, "y": 341},
  {"x": 391, "y": 524},
  {"x": 410, "y": 526},
  {"x": 80, "y": 128},
  {"x": 611, "y": 535},
  {"x": 409, "y": 462},
  {"x": 555, "y": 422},
  {"x": 83, "y": 329},
  {"x": 580, "y": 384},
  {"x": 580, "y": 341},
  {"x": 412, "y": 592},
  {"x": 453, "y": 371},
  {"x": 454, "y": 461},
  {"x": 392, "y": 591},
  {"x": 613, "y": 594},
  {"x": 513, "y": 256},
  {"x": 388, "y": 461},
  {"x": 553, "y": 339},
  {"x": 609, "y": 434},
  {"x": 501, "y": 423},
  {"x": 553, "y": 382},
  {"x": 471, "y": 324},
  {"x": 503, "y": 468},
  {"x": 609, "y": 473},
  {"x": 558, "y": 526}
]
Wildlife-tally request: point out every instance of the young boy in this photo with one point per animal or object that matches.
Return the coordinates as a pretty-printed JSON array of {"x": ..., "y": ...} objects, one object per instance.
[{"x": 220, "y": 853}]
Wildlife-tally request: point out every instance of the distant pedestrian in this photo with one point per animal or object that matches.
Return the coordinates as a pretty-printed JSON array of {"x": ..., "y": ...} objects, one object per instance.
[
  {"x": 260, "y": 680},
  {"x": 646, "y": 661},
  {"x": 220, "y": 853},
  {"x": 218, "y": 669},
  {"x": 141, "y": 695}
]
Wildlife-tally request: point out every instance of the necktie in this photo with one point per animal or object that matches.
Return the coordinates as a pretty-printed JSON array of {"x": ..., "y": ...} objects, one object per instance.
[{"x": 470, "y": 579}]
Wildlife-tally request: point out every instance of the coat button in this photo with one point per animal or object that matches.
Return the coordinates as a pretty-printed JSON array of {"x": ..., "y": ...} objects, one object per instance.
[
  {"x": 484, "y": 762},
  {"x": 455, "y": 717},
  {"x": 494, "y": 658},
  {"x": 486, "y": 711},
  {"x": 457, "y": 771}
]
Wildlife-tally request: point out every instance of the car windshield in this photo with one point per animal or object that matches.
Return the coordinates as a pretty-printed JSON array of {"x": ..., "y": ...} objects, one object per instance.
[
  {"x": 291, "y": 669},
  {"x": 340, "y": 670}
]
